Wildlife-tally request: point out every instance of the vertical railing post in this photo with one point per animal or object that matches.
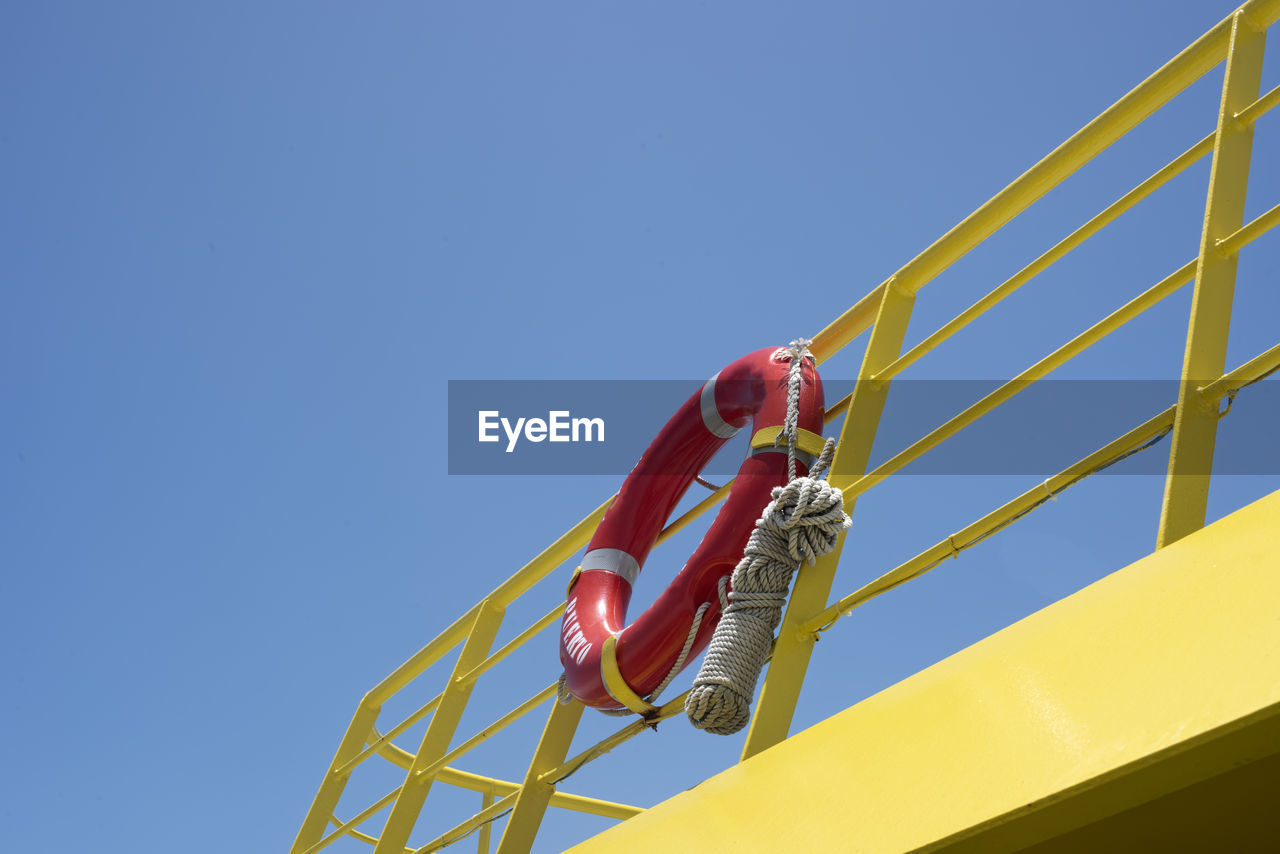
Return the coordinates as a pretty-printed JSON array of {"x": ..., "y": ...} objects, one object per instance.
[
  {"x": 531, "y": 802},
  {"x": 482, "y": 840},
  {"x": 331, "y": 788},
  {"x": 1186, "y": 492},
  {"x": 782, "y": 683},
  {"x": 444, "y": 721}
]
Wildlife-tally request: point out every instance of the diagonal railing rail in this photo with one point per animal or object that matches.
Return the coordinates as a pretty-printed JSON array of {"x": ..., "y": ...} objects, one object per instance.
[{"x": 1191, "y": 422}]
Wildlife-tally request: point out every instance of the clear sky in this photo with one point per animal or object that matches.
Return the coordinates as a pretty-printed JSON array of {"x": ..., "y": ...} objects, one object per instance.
[{"x": 244, "y": 246}]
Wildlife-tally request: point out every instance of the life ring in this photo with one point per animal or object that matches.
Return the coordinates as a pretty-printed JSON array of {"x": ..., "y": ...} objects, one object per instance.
[{"x": 611, "y": 665}]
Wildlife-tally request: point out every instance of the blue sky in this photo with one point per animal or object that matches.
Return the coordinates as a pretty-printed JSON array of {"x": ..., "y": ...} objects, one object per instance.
[{"x": 246, "y": 245}]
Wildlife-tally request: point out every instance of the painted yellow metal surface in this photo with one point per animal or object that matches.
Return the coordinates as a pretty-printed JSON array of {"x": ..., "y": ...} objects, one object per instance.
[
  {"x": 1186, "y": 493},
  {"x": 810, "y": 443},
  {"x": 793, "y": 649},
  {"x": 1159, "y": 676}
]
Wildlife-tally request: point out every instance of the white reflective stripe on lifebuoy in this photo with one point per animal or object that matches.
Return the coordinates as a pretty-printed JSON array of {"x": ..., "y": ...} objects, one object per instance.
[
  {"x": 616, "y": 561},
  {"x": 711, "y": 415}
]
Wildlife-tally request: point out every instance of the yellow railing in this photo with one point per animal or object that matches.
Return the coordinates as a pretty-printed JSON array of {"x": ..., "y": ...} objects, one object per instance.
[{"x": 1191, "y": 421}]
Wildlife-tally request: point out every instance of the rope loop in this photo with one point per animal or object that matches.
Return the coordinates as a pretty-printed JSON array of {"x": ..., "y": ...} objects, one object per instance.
[{"x": 795, "y": 353}]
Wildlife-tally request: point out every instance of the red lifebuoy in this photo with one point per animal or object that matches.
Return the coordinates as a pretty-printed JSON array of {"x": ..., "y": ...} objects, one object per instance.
[{"x": 609, "y": 664}]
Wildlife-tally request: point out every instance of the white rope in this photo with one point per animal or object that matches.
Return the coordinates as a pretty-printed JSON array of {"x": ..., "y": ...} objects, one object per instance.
[
  {"x": 801, "y": 522},
  {"x": 693, "y": 633},
  {"x": 563, "y": 695},
  {"x": 796, "y": 353}
]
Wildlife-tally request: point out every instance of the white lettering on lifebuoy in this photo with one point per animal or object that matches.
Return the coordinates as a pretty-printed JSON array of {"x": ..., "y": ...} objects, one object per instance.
[{"x": 576, "y": 645}]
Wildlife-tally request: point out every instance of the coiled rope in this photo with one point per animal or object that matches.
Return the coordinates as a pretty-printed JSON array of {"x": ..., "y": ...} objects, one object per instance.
[{"x": 802, "y": 522}]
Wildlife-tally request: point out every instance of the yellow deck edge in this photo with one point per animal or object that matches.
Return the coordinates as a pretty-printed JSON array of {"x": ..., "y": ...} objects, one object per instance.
[{"x": 1159, "y": 676}]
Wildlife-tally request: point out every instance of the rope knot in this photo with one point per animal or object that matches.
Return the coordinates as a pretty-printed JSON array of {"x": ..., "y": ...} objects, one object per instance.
[
  {"x": 797, "y": 349},
  {"x": 802, "y": 522}
]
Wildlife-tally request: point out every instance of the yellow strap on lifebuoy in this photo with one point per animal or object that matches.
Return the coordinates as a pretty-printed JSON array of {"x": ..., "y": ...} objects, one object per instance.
[
  {"x": 810, "y": 443},
  {"x": 615, "y": 684}
]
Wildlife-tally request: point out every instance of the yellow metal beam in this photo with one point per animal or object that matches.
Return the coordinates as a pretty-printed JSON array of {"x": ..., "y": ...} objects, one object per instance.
[
  {"x": 973, "y": 534},
  {"x": 486, "y": 829},
  {"x": 855, "y": 321},
  {"x": 669, "y": 709},
  {"x": 1260, "y": 107},
  {"x": 480, "y": 783},
  {"x": 1157, "y": 677},
  {"x": 431, "y": 771},
  {"x": 378, "y": 742},
  {"x": 1236, "y": 241},
  {"x": 1050, "y": 257},
  {"x": 1261, "y": 365},
  {"x": 1186, "y": 493},
  {"x": 335, "y": 780},
  {"x": 362, "y": 837},
  {"x": 348, "y": 826},
  {"x": 395, "y": 834},
  {"x": 513, "y": 644},
  {"x": 531, "y": 801},
  {"x": 487, "y": 814},
  {"x": 1041, "y": 369},
  {"x": 503, "y": 595},
  {"x": 785, "y": 676},
  {"x": 1117, "y": 120}
]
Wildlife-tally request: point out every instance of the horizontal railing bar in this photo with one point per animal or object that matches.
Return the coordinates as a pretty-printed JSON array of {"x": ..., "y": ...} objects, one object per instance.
[
  {"x": 1081, "y": 147},
  {"x": 600, "y": 748},
  {"x": 1008, "y": 390},
  {"x": 488, "y": 814},
  {"x": 502, "y": 596},
  {"x": 512, "y": 645},
  {"x": 1056, "y": 253},
  {"x": 343, "y": 828},
  {"x": 837, "y": 409},
  {"x": 363, "y": 837},
  {"x": 1250, "y": 372},
  {"x": 430, "y": 772},
  {"x": 435, "y": 649},
  {"x": 1259, "y": 108},
  {"x": 480, "y": 783},
  {"x": 377, "y": 744},
  {"x": 552, "y": 556},
  {"x": 692, "y": 513},
  {"x": 594, "y": 806},
  {"x": 1241, "y": 238},
  {"x": 607, "y": 809},
  {"x": 976, "y": 532},
  {"x": 848, "y": 326}
]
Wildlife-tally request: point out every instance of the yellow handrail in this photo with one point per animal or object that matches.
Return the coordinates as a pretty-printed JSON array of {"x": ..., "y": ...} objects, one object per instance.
[
  {"x": 885, "y": 311},
  {"x": 1050, "y": 257}
]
